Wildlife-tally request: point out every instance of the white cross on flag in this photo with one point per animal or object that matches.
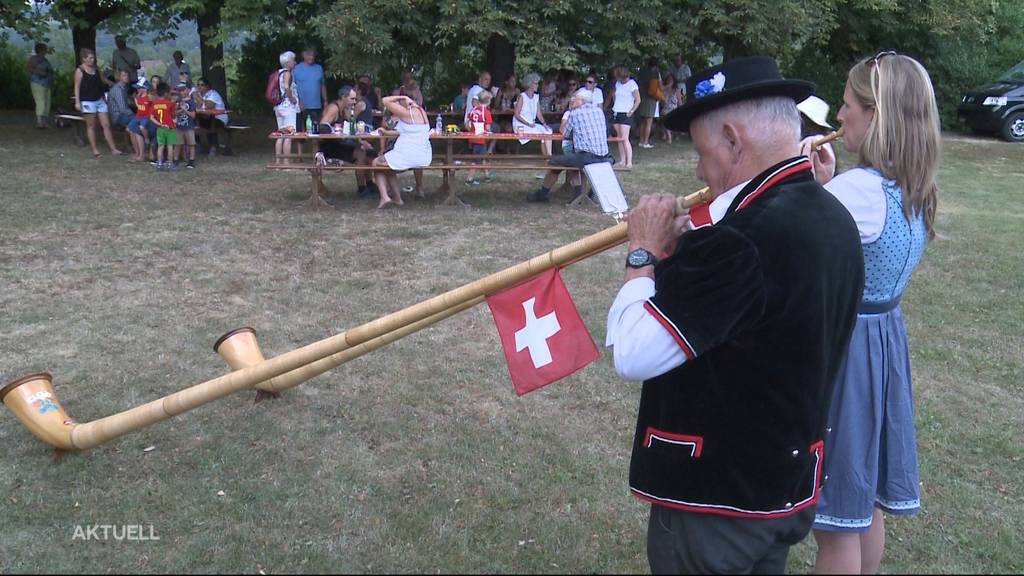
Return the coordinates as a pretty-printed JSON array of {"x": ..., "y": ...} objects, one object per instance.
[{"x": 541, "y": 331}]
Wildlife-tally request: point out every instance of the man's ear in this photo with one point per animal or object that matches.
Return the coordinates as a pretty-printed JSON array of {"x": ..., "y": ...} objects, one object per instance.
[{"x": 731, "y": 140}]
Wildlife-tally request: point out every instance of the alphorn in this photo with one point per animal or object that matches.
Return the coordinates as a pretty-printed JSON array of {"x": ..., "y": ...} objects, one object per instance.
[
  {"x": 34, "y": 402},
  {"x": 818, "y": 143}
]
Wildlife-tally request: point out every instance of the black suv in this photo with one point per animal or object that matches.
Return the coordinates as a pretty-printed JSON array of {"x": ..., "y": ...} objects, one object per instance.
[{"x": 997, "y": 107}]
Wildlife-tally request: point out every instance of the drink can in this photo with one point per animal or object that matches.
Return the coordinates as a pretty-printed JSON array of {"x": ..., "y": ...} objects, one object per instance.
[{"x": 361, "y": 126}]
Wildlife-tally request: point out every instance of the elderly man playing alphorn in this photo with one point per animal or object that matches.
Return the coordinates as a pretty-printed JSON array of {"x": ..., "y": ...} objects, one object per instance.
[{"x": 737, "y": 328}]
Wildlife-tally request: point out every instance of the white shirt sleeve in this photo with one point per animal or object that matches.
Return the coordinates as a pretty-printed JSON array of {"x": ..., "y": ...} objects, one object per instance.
[
  {"x": 642, "y": 347},
  {"x": 860, "y": 191}
]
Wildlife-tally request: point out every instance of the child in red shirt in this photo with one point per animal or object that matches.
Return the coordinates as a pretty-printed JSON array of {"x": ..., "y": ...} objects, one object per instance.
[
  {"x": 479, "y": 122},
  {"x": 138, "y": 127},
  {"x": 161, "y": 113}
]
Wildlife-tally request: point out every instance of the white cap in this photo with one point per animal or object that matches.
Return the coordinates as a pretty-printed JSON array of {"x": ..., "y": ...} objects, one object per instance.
[{"x": 816, "y": 110}]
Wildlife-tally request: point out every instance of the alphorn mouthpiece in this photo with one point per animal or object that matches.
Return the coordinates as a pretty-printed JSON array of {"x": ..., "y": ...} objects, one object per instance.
[
  {"x": 827, "y": 138},
  {"x": 684, "y": 203}
]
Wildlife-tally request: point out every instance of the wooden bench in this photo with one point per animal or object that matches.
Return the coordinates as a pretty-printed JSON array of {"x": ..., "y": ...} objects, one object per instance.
[
  {"x": 227, "y": 131},
  {"x": 78, "y": 134},
  {"x": 451, "y": 199},
  {"x": 77, "y": 123}
]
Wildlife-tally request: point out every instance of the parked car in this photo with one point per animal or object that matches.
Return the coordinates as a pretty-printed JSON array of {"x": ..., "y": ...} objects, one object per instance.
[{"x": 997, "y": 107}]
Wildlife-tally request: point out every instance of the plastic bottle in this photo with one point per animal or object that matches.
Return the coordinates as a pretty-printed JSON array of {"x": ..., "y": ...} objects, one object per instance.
[
  {"x": 437, "y": 124},
  {"x": 309, "y": 125}
]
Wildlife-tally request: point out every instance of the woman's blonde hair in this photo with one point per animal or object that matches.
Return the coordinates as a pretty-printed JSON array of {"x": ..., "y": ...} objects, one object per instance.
[{"x": 903, "y": 140}]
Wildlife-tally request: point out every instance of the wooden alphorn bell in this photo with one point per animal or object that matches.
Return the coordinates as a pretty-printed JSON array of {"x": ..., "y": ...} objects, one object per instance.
[{"x": 34, "y": 402}]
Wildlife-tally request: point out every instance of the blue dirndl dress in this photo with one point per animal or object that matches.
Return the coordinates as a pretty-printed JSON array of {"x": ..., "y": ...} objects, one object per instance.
[{"x": 870, "y": 446}]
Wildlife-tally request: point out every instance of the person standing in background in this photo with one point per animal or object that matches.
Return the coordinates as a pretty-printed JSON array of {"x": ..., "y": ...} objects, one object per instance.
[
  {"x": 41, "y": 82},
  {"x": 124, "y": 58},
  {"x": 309, "y": 82},
  {"x": 173, "y": 73},
  {"x": 681, "y": 71}
]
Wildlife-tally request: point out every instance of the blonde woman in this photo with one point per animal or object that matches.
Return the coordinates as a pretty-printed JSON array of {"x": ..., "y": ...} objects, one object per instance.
[
  {"x": 891, "y": 121},
  {"x": 89, "y": 100}
]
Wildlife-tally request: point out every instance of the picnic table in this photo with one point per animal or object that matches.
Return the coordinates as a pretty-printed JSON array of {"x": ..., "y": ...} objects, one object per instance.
[{"x": 447, "y": 161}]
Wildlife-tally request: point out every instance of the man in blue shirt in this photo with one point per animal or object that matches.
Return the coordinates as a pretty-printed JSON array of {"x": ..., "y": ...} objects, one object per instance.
[{"x": 309, "y": 80}]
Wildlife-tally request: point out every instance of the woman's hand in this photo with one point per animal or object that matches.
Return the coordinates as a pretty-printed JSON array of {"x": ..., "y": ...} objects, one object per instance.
[{"x": 823, "y": 161}]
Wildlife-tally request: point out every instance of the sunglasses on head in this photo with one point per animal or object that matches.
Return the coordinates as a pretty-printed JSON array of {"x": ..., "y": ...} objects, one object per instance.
[{"x": 882, "y": 54}]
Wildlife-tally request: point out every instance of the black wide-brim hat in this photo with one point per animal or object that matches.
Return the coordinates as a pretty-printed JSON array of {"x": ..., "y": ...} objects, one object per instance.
[{"x": 734, "y": 81}]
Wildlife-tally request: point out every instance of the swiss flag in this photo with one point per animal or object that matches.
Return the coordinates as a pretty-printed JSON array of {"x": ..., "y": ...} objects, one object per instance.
[{"x": 541, "y": 331}]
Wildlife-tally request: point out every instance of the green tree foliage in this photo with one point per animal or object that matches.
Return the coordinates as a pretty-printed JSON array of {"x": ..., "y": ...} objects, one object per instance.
[{"x": 963, "y": 44}]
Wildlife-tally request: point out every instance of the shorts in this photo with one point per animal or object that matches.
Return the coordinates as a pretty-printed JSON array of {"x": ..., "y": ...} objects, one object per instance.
[
  {"x": 567, "y": 147},
  {"x": 187, "y": 136},
  {"x": 166, "y": 136},
  {"x": 93, "y": 106},
  {"x": 479, "y": 148},
  {"x": 285, "y": 118},
  {"x": 137, "y": 125},
  {"x": 621, "y": 118},
  {"x": 123, "y": 119}
]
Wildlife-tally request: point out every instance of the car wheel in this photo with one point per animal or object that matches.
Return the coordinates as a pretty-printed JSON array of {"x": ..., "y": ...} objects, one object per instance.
[{"x": 1013, "y": 128}]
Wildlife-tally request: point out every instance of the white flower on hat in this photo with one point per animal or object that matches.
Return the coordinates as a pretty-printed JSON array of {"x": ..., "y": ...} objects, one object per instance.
[
  {"x": 713, "y": 85},
  {"x": 718, "y": 81}
]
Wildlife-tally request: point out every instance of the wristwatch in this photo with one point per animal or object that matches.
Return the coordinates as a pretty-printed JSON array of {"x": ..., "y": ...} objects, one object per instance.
[{"x": 639, "y": 258}]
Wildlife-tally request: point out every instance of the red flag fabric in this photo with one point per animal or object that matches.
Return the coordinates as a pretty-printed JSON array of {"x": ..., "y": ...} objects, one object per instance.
[{"x": 541, "y": 331}]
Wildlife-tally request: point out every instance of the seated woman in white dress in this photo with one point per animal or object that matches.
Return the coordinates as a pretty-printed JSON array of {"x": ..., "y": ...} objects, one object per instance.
[
  {"x": 411, "y": 149},
  {"x": 529, "y": 119}
]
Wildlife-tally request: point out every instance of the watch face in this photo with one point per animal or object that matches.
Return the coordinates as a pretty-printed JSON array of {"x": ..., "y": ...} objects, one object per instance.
[{"x": 639, "y": 257}]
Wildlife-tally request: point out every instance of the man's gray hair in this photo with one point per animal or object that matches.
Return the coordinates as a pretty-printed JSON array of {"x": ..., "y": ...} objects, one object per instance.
[
  {"x": 585, "y": 96},
  {"x": 531, "y": 78},
  {"x": 772, "y": 121}
]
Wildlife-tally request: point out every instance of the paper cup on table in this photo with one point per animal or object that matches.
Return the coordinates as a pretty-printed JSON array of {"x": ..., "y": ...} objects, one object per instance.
[{"x": 478, "y": 128}]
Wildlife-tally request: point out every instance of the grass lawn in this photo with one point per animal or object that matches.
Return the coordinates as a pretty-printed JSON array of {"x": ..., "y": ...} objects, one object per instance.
[{"x": 417, "y": 457}]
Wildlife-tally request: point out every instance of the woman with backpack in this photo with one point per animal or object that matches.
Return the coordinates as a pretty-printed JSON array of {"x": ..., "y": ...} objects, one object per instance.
[{"x": 287, "y": 105}]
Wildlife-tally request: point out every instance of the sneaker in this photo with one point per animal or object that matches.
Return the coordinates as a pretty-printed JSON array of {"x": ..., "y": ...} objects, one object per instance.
[
  {"x": 537, "y": 196},
  {"x": 473, "y": 182},
  {"x": 191, "y": 164},
  {"x": 154, "y": 163},
  {"x": 539, "y": 176}
]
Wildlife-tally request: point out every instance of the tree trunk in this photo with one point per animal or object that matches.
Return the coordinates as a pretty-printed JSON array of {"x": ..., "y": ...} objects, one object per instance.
[
  {"x": 85, "y": 38},
  {"x": 212, "y": 56},
  {"x": 501, "y": 58}
]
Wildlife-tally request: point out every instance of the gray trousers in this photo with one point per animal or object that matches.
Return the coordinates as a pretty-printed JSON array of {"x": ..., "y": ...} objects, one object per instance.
[{"x": 681, "y": 542}]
